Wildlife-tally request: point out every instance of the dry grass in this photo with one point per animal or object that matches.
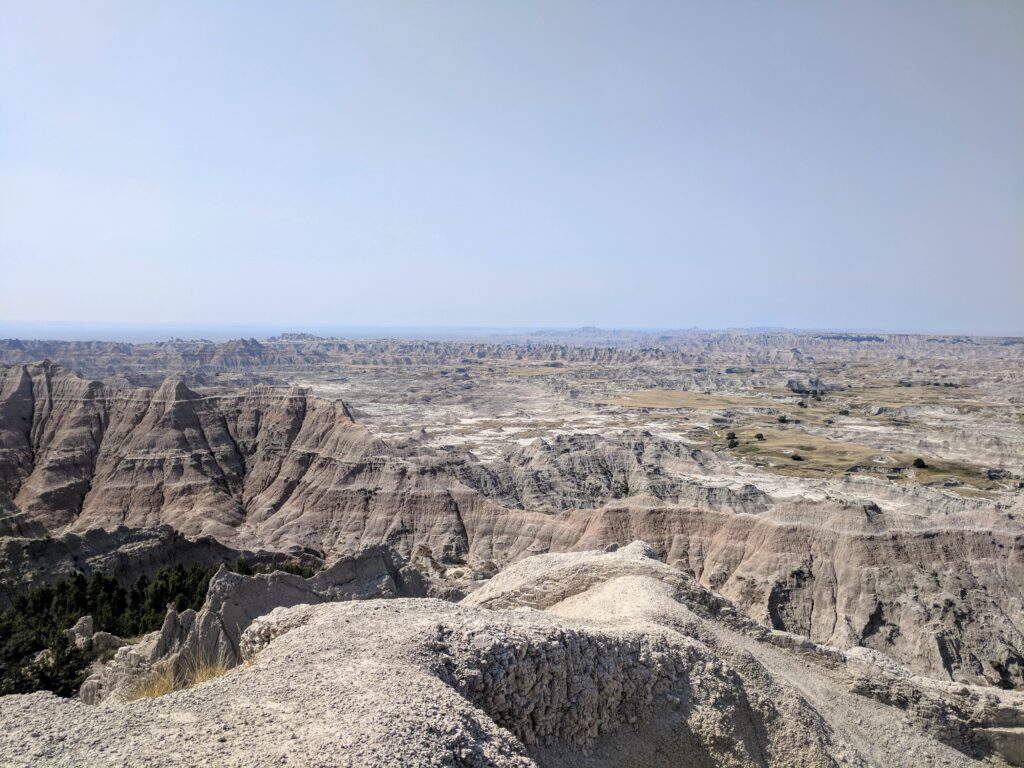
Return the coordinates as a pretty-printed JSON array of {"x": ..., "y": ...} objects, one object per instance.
[
  {"x": 890, "y": 394},
  {"x": 158, "y": 683},
  {"x": 829, "y": 457},
  {"x": 671, "y": 398},
  {"x": 165, "y": 679},
  {"x": 200, "y": 672},
  {"x": 759, "y": 412}
]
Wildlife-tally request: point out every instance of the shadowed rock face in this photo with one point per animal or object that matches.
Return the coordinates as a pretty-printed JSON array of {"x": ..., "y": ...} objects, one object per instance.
[
  {"x": 234, "y": 601},
  {"x": 124, "y": 554}
]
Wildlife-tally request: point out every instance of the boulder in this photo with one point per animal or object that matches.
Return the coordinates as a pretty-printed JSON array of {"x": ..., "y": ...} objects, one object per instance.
[{"x": 82, "y": 632}]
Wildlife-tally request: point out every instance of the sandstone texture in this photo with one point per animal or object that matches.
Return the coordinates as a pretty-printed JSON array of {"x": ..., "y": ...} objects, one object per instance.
[
  {"x": 212, "y": 635},
  {"x": 598, "y": 658}
]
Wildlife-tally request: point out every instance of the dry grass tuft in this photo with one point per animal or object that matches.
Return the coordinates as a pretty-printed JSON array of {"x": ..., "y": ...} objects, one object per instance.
[
  {"x": 200, "y": 671},
  {"x": 159, "y": 682},
  {"x": 164, "y": 679}
]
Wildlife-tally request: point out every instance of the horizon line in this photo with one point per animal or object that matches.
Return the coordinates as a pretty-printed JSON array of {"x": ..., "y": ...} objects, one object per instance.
[{"x": 146, "y": 332}]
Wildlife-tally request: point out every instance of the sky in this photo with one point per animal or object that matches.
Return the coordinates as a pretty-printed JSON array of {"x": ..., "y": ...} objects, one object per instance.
[{"x": 855, "y": 165}]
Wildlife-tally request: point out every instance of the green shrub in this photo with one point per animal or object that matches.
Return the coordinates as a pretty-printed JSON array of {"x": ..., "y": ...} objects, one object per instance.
[
  {"x": 307, "y": 572},
  {"x": 37, "y": 619}
]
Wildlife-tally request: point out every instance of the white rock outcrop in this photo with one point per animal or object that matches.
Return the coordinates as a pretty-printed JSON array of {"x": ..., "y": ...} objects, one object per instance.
[
  {"x": 212, "y": 634},
  {"x": 596, "y": 658}
]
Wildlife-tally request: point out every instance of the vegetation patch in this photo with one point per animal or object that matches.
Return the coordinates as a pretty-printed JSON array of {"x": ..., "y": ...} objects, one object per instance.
[
  {"x": 165, "y": 679},
  {"x": 159, "y": 682},
  {"x": 671, "y": 398},
  {"x": 35, "y": 653},
  {"x": 777, "y": 449}
]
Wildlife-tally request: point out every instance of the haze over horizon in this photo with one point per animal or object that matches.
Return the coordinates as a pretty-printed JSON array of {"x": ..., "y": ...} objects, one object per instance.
[
  {"x": 855, "y": 166},
  {"x": 142, "y": 333}
]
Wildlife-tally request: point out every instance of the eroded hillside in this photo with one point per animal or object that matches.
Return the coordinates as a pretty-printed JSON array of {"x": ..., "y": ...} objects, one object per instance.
[{"x": 858, "y": 490}]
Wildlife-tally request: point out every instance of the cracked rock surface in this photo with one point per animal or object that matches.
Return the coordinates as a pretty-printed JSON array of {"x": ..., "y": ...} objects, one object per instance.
[{"x": 583, "y": 659}]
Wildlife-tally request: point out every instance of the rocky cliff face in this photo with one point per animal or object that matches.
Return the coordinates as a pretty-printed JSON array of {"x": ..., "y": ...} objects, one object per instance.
[
  {"x": 75, "y": 453},
  {"x": 212, "y": 635},
  {"x": 580, "y": 471},
  {"x": 123, "y": 554}
]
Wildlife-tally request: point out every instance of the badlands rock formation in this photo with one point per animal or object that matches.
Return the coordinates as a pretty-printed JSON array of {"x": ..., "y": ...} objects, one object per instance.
[
  {"x": 305, "y": 352},
  {"x": 75, "y": 452},
  {"x": 603, "y": 659},
  {"x": 925, "y": 574},
  {"x": 832, "y": 574}
]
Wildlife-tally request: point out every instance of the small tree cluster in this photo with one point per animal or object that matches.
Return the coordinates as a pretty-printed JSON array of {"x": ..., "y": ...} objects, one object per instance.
[{"x": 37, "y": 620}]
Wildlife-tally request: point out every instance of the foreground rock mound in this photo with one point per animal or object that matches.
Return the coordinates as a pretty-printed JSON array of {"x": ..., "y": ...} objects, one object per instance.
[
  {"x": 211, "y": 636},
  {"x": 586, "y": 659}
]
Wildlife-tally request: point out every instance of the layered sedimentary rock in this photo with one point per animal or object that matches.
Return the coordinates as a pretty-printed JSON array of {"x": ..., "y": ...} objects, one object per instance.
[
  {"x": 929, "y": 577},
  {"x": 77, "y": 454},
  {"x": 740, "y": 349},
  {"x": 945, "y": 601},
  {"x": 573, "y": 471}
]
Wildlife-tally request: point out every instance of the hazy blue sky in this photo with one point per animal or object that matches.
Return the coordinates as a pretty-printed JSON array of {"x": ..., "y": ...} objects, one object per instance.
[{"x": 657, "y": 164}]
